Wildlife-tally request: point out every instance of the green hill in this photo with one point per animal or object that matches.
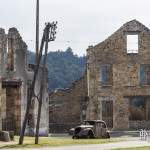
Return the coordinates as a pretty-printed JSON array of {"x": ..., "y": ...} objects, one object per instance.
[{"x": 64, "y": 68}]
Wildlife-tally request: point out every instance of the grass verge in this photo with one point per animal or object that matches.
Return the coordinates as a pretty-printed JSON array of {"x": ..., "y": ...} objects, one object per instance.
[{"x": 54, "y": 142}]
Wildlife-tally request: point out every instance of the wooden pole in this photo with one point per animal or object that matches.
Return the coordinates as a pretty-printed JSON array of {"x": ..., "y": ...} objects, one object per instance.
[
  {"x": 43, "y": 84},
  {"x": 31, "y": 94},
  {"x": 37, "y": 31},
  {"x": 50, "y": 32}
]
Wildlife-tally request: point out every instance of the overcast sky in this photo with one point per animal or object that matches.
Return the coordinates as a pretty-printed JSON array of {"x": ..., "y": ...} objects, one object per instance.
[{"x": 80, "y": 22}]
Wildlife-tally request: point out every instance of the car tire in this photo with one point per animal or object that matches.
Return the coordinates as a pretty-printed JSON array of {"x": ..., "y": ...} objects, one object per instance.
[
  {"x": 74, "y": 137},
  {"x": 107, "y": 136},
  {"x": 90, "y": 135}
]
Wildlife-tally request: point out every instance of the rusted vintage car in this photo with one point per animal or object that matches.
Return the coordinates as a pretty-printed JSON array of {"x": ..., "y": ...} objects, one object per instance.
[{"x": 91, "y": 129}]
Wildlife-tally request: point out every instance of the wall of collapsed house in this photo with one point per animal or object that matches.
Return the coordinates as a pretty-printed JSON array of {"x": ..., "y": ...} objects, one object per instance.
[
  {"x": 68, "y": 106},
  {"x": 14, "y": 70},
  {"x": 123, "y": 77},
  {"x": 3, "y": 42},
  {"x": 2, "y": 104},
  {"x": 44, "y": 120}
]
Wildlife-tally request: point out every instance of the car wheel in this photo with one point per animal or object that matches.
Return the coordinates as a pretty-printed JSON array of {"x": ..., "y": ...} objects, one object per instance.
[
  {"x": 90, "y": 135},
  {"x": 74, "y": 137},
  {"x": 107, "y": 136}
]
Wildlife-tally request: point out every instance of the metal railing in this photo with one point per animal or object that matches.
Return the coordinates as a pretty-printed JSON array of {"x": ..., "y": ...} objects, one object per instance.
[{"x": 136, "y": 125}]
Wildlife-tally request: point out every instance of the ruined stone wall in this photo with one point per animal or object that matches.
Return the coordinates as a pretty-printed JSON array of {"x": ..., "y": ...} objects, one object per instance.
[
  {"x": 2, "y": 104},
  {"x": 66, "y": 104},
  {"x": 125, "y": 70},
  {"x": 17, "y": 49},
  {"x": 13, "y": 68},
  {"x": 13, "y": 106},
  {"x": 44, "y": 121},
  {"x": 17, "y": 64},
  {"x": 3, "y": 66},
  {"x": 3, "y": 52}
]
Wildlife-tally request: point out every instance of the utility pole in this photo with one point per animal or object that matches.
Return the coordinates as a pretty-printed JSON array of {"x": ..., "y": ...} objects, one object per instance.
[
  {"x": 31, "y": 94},
  {"x": 49, "y": 36},
  {"x": 37, "y": 31},
  {"x": 37, "y": 62}
]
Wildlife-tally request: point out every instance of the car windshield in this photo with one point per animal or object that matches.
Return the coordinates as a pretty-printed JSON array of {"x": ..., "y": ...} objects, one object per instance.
[{"x": 89, "y": 123}]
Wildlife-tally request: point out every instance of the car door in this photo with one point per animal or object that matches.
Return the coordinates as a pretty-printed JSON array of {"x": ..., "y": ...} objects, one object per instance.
[
  {"x": 103, "y": 129},
  {"x": 100, "y": 129}
]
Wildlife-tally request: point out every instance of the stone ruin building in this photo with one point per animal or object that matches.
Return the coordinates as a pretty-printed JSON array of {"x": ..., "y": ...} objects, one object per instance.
[
  {"x": 117, "y": 82},
  {"x": 118, "y": 75},
  {"x": 67, "y": 107},
  {"x": 15, "y": 80}
]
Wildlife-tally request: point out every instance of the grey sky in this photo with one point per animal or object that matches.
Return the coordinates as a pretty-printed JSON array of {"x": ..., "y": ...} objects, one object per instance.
[{"x": 80, "y": 22}]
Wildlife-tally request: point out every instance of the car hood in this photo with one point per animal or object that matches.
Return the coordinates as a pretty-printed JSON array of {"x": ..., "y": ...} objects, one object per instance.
[{"x": 85, "y": 126}]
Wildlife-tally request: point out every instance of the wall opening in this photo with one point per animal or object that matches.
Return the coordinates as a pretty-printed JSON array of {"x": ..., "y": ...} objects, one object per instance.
[
  {"x": 144, "y": 74},
  {"x": 137, "y": 108},
  {"x": 106, "y": 110},
  {"x": 106, "y": 75},
  {"x": 132, "y": 44}
]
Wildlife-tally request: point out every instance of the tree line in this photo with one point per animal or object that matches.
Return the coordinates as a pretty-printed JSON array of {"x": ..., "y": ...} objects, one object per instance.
[{"x": 64, "y": 67}]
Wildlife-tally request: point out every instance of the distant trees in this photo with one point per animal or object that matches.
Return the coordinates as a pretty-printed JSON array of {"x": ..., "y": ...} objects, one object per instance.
[{"x": 64, "y": 67}]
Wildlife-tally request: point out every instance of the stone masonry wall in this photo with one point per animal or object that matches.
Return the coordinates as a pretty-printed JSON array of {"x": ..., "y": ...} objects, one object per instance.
[
  {"x": 113, "y": 51},
  {"x": 17, "y": 65},
  {"x": 3, "y": 53},
  {"x": 0, "y": 105},
  {"x": 66, "y": 105},
  {"x": 44, "y": 120},
  {"x": 13, "y": 69}
]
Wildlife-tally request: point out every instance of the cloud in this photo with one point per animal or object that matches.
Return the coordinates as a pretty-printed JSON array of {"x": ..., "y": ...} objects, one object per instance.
[{"x": 80, "y": 22}]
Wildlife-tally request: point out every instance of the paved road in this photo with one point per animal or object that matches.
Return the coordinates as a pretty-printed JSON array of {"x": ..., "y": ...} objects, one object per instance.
[{"x": 109, "y": 146}]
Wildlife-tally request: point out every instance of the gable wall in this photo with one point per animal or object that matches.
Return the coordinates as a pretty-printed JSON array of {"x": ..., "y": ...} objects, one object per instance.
[{"x": 113, "y": 51}]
